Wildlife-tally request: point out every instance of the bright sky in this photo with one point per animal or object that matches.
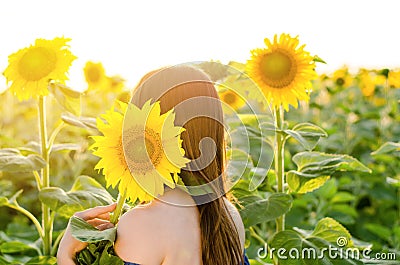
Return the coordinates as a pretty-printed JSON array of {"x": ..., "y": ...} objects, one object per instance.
[{"x": 132, "y": 37}]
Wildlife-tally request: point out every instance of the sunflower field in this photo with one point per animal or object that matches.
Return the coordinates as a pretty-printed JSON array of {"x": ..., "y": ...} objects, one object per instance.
[{"x": 315, "y": 157}]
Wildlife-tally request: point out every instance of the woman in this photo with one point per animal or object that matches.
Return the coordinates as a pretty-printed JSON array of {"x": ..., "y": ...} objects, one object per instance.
[{"x": 179, "y": 228}]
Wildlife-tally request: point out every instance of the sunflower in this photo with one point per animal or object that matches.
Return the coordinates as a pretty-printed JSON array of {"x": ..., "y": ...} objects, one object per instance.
[
  {"x": 283, "y": 71},
  {"x": 140, "y": 151},
  {"x": 368, "y": 80},
  {"x": 115, "y": 84},
  {"x": 95, "y": 76},
  {"x": 30, "y": 69},
  {"x": 394, "y": 79},
  {"x": 232, "y": 99},
  {"x": 342, "y": 77}
]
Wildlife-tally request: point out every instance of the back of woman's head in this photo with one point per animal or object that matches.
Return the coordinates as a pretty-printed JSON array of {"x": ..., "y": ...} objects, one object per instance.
[{"x": 198, "y": 109}]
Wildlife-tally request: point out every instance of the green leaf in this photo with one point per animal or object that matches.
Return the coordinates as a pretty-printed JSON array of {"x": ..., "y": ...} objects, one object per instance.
[
  {"x": 11, "y": 160},
  {"x": 257, "y": 177},
  {"x": 394, "y": 182},
  {"x": 65, "y": 147},
  {"x": 85, "y": 232},
  {"x": 317, "y": 59},
  {"x": 343, "y": 196},
  {"x": 379, "y": 230},
  {"x": 387, "y": 147},
  {"x": 328, "y": 190},
  {"x": 315, "y": 164},
  {"x": 99, "y": 253},
  {"x": 259, "y": 210},
  {"x": 81, "y": 122},
  {"x": 331, "y": 230},
  {"x": 344, "y": 208},
  {"x": 69, "y": 99},
  {"x": 312, "y": 248},
  {"x": 307, "y": 134},
  {"x": 85, "y": 193},
  {"x": 14, "y": 247},
  {"x": 238, "y": 163},
  {"x": 44, "y": 260},
  {"x": 3, "y": 201},
  {"x": 301, "y": 184}
]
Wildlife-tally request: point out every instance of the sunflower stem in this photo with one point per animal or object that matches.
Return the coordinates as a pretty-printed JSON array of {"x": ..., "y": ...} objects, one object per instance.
[
  {"x": 47, "y": 224},
  {"x": 118, "y": 210},
  {"x": 280, "y": 161},
  {"x": 29, "y": 215}
]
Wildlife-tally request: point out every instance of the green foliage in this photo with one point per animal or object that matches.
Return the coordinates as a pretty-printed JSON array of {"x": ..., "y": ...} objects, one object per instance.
[
  {"x": 101, "y": 253},
  {"x": 85, "y": 232},
  {"x": 257, "y": 210},
  {"x": 85, "y": 193},
  {"x": 11, "y": 160},
  {"x": 307, "y": 134}
]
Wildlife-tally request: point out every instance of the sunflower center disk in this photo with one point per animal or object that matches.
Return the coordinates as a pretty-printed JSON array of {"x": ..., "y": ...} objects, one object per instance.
[
  {"x": 37, "y": 63},
  {"x": 230, "y": 98},
  {"x": 278, "y": 69},
  {"x": 143, "y": 149}
]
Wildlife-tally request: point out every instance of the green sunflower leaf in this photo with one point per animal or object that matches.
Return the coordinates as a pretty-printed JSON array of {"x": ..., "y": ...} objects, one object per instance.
[
  {"x": 316, "y": 164},
  {"x": 307, "y": 134},
  {"x": 387, "y": 147},
  {"x": 81, "y": 122},
  {"x": 85, "y": 232},
  {"x": 69, "y": 99},
  {"x": 11, "y": 160},
  {"x": 318, "y": 59},
  {"x": 45, "y": 260},
  {"x": 85, "y": 193},
  {"x": 324, "y": 245},
  {"x": 258, "y": 210}
]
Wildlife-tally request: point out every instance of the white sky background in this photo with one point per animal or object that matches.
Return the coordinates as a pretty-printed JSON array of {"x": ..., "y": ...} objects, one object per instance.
[{"x": 132, "y": 37}]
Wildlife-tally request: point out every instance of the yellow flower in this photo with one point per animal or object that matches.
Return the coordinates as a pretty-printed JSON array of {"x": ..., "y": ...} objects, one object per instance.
[
  {"x": 115, "y": 83},
  {"x": 30, "y": 69},
  {"x": 231, "y": 98},
  {"x": 140, "y": 151},
  {"x": 283, "y": 71},
  {"x": 368, "y": 80},
  {"x": 342, "y": 77},
  {"x": 95, "y": 76},
  {"x": 394, "y": 79}
]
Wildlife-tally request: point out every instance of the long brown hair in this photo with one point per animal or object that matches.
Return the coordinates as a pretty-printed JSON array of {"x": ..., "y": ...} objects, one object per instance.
[{"x": 202, "y": 118}]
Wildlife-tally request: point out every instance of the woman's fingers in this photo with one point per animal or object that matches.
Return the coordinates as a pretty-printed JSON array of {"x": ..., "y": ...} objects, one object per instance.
[
  {"x": 97, "y": 211},
  {"x": 96, "y": 222},
  {"x": 105, "y": 226}
]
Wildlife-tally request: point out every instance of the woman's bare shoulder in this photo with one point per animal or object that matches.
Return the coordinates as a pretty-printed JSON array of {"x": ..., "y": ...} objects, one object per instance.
[
  {"x": 136, "y": 230},
  {"x": 151, "y": 230}
]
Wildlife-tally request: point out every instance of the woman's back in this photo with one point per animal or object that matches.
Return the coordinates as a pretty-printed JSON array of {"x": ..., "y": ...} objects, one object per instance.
[{"x": 164, "y": 232}]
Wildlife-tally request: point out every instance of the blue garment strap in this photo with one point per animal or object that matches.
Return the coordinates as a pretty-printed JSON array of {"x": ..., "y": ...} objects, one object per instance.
[{"x": 246, "y": 260}]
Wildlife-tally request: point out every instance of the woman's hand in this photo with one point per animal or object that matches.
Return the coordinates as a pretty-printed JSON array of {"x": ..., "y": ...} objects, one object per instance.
[{"x": 98, "y": 216}]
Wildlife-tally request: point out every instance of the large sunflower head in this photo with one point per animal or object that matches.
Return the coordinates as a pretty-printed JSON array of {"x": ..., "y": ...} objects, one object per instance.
[
  {"x": 142, "y": 154},
  {"x": 282, "y": 70},
  {"x": 30, "y": 69}
]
